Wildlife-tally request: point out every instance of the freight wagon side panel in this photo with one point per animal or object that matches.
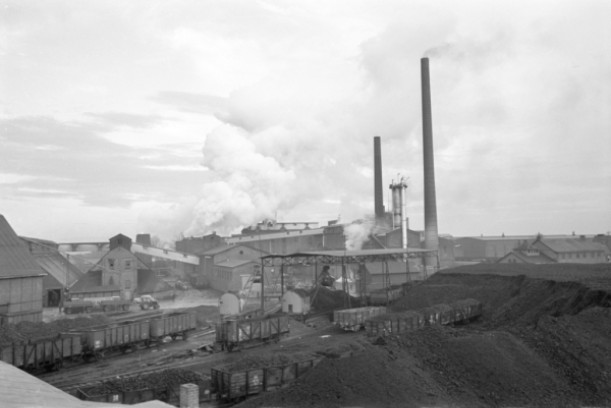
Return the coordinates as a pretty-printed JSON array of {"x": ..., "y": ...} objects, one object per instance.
[
  {"x": 96, "y": 339},
  {"x": 273, "y": 378},
  {"x": 245, "y": 383},
  {"x": 18, "y": 354},
  {"x": 71, "y": 346},
  {"x": 6, "y": 353},
  {"x": 284, "y": 324}
]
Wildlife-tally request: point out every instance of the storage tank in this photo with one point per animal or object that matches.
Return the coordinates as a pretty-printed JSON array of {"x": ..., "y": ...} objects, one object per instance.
[{"x": 229, "y": 304}]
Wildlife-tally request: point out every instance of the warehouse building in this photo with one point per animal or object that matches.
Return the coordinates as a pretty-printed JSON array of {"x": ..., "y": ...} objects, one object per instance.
[
  {"x": 224, "y": 266},
  {"x": 21, "y": 279},
  {"x": 558, "y": 250},
  {"x": 61, "y": 274},
  {"x": 120, "y": 272}
]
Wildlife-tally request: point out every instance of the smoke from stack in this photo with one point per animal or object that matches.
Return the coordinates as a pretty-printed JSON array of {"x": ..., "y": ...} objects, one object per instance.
[
  {"x": 431, "y": 236},
  {"x": 377, "y": 179}
]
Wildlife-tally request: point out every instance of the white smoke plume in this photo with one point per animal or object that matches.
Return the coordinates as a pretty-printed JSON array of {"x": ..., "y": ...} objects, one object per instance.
[
  {"x": 243, "y": 185},
  {"x": 356, "y": 234}
]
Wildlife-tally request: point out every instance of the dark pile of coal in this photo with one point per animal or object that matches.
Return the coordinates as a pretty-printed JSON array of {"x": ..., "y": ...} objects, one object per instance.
[
  {"x": 24, "y": 331},
  {"x": 324, "y": 299},
  {"x": 159, "y": 381}
]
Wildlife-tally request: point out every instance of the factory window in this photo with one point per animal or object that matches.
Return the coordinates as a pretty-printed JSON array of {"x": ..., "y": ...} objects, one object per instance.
[
  {"x": 128, "y": 284},
  {"x": 111, "y": 264},
  {"x": 128, "y": 264}
]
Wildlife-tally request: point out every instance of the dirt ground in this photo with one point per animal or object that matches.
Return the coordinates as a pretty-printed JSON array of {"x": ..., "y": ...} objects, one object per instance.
[{"x": 543, "y": 341}]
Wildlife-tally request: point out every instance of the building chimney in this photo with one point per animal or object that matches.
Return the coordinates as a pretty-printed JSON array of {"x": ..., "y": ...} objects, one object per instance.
[
  {"x": 377, "y": 179},
  {"x": 399, "y": 219},
  {"x": 431, "y": 237}
]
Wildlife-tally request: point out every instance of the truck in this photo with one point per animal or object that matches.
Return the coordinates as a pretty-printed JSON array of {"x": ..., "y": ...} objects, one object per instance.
[{"x": 147, "y": 302}]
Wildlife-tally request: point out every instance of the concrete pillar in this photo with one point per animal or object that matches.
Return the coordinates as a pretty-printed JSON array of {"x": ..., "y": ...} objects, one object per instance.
[{"x": 189, "y": 396}]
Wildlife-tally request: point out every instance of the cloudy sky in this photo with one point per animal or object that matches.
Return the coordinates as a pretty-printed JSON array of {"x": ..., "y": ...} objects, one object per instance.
[{"x": 186, "y": 117}]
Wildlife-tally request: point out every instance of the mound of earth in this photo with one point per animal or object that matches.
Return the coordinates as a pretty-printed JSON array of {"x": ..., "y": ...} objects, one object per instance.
[{"x": 540, "y": 342}]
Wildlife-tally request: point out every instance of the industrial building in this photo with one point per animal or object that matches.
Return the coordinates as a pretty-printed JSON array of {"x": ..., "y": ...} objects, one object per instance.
[
  {"x": 558, "y": 250},
  {"x": 120, "y": 272},
  {"x": 21, "y": 279},
  {"x": 61, "y": 274},
  {"x": 224, "y": 266}
]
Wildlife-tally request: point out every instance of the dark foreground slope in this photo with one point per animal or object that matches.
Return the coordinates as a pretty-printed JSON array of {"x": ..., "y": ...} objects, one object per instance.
[{"x": 542, "y": 342}]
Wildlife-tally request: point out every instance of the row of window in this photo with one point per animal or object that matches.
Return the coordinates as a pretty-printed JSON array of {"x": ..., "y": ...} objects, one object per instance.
[
  {"x": 127, "y": 264},
  {"x": 221, "y": 274},
  {"x": 588, "y": 254}
]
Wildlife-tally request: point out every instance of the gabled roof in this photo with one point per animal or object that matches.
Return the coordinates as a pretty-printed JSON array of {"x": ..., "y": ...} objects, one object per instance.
[
  {"x": 234, "y": 263},
  {"x": 15, "y": 259},
  {"x": 530, "y": 259},
  {"x": 99, "y": 264}
]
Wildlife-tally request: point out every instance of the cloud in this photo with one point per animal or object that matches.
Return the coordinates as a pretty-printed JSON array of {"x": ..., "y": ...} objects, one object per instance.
[{"x": 115, "y": 119}]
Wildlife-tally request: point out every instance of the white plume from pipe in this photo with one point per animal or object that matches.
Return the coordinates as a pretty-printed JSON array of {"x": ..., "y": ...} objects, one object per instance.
[{"x": 357, "y": 234}]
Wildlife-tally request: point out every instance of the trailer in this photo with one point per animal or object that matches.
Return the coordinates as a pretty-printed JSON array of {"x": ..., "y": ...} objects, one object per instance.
[
  {"x": 231, "y": 385},
  {"x": 231, "y": 334},
  {"x": 354, "y": 319}
]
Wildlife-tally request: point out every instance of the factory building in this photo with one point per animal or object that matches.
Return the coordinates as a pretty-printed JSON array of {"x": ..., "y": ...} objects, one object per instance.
[
  {"x": 223, "y": 266},
  {"x": 21, "y": 279},
  {"x": 571, "y": 250},
  {"x": 61, "y": 274},
  {"x": 169, "y": 265},
  {"x": 199, "y": 245},
  {"x": 120, "y": 272},
  {"x": 531, "y": 249}
]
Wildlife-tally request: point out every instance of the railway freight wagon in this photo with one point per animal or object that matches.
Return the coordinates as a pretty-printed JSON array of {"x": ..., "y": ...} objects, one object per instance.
[
  {"x": 354, "y": 319},
  {"x": 48, "y": 354},
  {"x": 395, "y": 323},
  {"x": 385, "y": 324},
  {"x": 243, "y": 333},
  {"x": 230, "y": 385},
  {"x": 173, "y": 325},
  {"x": 122, "y": 336}
]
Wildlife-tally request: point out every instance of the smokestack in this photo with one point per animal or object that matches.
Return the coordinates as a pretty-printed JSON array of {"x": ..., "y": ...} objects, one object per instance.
[
  {"x": 399, "y": 208},
  {"x": 377, "y": 179},
  {"x": 431, "y": 237}
]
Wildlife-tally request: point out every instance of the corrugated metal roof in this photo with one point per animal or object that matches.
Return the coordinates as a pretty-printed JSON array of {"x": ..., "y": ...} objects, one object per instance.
[
  {"x": 573, "y": 245},
  {"x": 19, "y": 389},
  {"x": 165, "y": 254},
  {"x": 15, "y": 259},
  {"x": 362, "y": 252},
  {"x": 274, "y": 235},
  {"x": 59, "y": 267}
]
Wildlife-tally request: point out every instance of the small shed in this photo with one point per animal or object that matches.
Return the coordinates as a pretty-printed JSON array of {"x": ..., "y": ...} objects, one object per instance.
[{"x": 296, "y": 301}]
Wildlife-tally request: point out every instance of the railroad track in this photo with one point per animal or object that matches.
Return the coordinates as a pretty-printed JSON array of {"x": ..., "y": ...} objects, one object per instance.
[{"x": 71, "y": 378}]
